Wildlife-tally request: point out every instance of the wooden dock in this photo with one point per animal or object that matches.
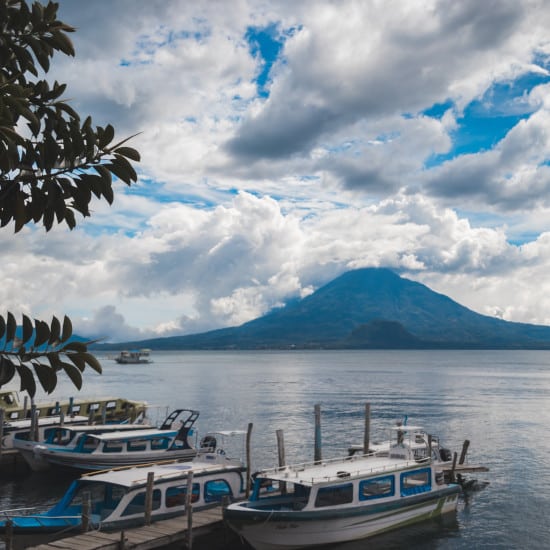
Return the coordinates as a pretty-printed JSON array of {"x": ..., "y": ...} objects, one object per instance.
[{"x": 158, "y": 534}]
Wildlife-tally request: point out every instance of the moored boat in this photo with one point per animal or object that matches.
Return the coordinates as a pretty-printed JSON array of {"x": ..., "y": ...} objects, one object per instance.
[
  {"x": 89, "y": 448},
  {"x": 340, "y": 500},
  {"x": 118, "y": 496},
  {"x": 111, "y": 408}
]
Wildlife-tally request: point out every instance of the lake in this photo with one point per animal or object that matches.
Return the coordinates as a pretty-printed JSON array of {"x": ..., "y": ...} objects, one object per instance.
[{"x": 499, "y": 400}]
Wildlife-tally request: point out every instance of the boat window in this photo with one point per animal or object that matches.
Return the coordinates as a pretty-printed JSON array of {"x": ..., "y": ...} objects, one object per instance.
[
  {"x": 417, "y": 481},
  {"x": 111, "y": 405},
  {"x": 216, "y": 489},
  {"x": 112, "y": 447},
  {"x": 14, "y": 415},
  {"x": 137, "y": 445},
  {"x": 75, "y": 409},
  {"x": 159, "y": 443},
  {"x": 137, "y": 504},
  {"x": 175, "y": 496},
  {"x": 93, "y": 407},
  {"x": 377, "y": 488},
  {"x": 57, "y": 435},
  {"x": 335, "y": 495}
]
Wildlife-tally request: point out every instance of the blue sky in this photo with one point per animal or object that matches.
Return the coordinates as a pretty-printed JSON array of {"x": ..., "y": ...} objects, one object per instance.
[{"x": 285, "y": 143}]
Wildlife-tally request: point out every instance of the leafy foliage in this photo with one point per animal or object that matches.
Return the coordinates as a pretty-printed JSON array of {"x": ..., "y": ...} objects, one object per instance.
[
  {"x": 51, "y": 162},
  {"x": 36, "y": 348}
]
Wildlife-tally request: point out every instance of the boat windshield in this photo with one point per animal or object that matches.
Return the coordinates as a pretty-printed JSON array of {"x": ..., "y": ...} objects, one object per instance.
[
  {"x": 283, "y": 495},
  {"x": 104, "y": 497}
]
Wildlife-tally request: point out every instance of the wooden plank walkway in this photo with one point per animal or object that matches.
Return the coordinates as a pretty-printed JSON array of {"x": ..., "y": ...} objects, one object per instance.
[{"x": 156, "y": 535}]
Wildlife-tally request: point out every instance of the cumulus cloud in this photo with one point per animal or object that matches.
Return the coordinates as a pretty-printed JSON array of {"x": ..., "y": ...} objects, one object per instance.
[{"x": 247, "y": 200}]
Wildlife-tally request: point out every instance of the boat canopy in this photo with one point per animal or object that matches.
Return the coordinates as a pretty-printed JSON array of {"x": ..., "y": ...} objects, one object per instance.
[{"x": 137, "y": 434}]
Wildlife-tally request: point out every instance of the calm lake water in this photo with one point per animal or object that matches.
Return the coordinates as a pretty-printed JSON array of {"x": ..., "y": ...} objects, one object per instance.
[{"x": 498, "y": 400}]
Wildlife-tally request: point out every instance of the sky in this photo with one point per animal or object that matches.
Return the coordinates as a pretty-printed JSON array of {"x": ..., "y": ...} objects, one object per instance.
[{"x": 283, "y": 143}]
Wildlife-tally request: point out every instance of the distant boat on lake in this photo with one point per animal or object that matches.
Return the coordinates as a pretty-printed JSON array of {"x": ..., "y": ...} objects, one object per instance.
[{"x": 128, "y": 357}]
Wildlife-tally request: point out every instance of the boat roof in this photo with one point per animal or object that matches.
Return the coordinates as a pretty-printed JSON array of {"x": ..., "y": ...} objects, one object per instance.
[
  {"x": 137, "y": 475},
  {"x": 44, "y": 421},
  {"x": 408, "y": 428},
  {"x": 339, "y": 469},
  {"x": 137, "y": 434},
  {"x": 91, "y": 428}
]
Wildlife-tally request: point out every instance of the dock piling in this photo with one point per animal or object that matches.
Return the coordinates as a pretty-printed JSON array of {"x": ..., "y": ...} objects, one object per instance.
[
  {"x": 1, "y": 429},
  {"x": 465, "y": 446},
  {"x": 317, "y": 454},
  {"x": 189, "y": 510},
  {"x": 366, "y": 436},
  {"x": 86, "y": 507},
  {"x": 281, "y": 455},
  {"x": 149, "y": 497},
  {"x": 248, "y": 460}
]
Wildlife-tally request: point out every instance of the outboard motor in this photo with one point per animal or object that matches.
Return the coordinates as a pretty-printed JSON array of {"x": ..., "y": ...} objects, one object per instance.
[{"x": 445, "y": 455}]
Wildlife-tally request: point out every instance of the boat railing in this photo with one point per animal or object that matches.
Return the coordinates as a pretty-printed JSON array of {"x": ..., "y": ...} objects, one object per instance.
[{"x": 294, "y": 471}]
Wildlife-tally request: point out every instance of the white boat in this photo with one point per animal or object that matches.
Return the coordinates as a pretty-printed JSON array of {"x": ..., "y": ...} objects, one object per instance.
[
  {"x": 112, "y": 408},
  {"x": 421, "y": 444},
  {"x": 341, "y": 500},
  {"x": 90, "y": 448},
  {"x": 118, "y": 497},
  {"x": 128, "y": 357},
  {"x": 22, "y": 428}
]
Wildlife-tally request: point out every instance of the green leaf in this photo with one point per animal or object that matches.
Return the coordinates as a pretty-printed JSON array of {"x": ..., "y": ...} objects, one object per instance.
[
  {"x": 74, "y": 374},
  {"x": 42, "y": 333},
  {"x": 55, "y": 331},
  {"x": 28, "y": 329},
  {"x": 7, "y": 370},
  {"x": 93, "y": 362},
  {"x": 46, "y": 376},
  {"x": 75, "y": 346},
  {"x": 27, "y": 379},
  {"x": 78, "y": 360},
  {"x": 12, "y": 327},
  {"x": 67, "y": 329},
  {"x": 128, "y": 152}
]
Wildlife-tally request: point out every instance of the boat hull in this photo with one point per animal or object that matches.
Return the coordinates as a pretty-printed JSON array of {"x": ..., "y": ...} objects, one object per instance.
[
  {"x": 89, "y": 463},
  {"x": 278, "y": 530}
]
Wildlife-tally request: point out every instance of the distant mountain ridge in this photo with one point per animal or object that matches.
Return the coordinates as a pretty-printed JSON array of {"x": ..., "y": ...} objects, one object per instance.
[{"x": 361, "y": 309}]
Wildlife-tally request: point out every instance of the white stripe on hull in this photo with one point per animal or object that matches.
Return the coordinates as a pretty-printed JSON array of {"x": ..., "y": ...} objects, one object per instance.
[{"x": 289, "y": 535}]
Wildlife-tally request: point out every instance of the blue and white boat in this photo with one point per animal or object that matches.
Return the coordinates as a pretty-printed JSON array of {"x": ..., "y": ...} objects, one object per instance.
[
  {"x": 341, "y": 500},
  {"x": 117, "y": 498},
  {"x": 90, "y": 448}
]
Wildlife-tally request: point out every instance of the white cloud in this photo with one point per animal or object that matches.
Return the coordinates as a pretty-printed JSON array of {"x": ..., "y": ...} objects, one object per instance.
[{"x": 245, "y": 201}]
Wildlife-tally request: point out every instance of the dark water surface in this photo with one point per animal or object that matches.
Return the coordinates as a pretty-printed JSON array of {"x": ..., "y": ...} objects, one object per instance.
[{"x": 498, "y": 400}]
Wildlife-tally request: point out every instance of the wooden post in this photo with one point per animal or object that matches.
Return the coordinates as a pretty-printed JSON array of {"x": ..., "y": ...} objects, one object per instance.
[
  {"x": 317, "y": 454},
  {"x": 366, "y": 437},
  {"x": 61, "y": 419},
  {"x": 149, "y": 497},
  {"x": 122, "y": 541},
  {"x": 465, "y": 446},
  {"x": 25, "y": 406},
  {"x": 9, "y": 535},
  {"x": 57, "y": 409},
  {"x": 430, "y": 447},
  {"x": 248, "y": 461},
  {"x": 282, "y": 460},
  {"x": 70, "y": 408},
  {"x": 90, "y": 417},
  {"x": 2, "y": 412},
  {"x": 34, "y": 419},
  {"x": 86, "y": 507},
  {"x": 104, "y": 413},
  {"x": 453, "y": 467},
  {"x": 189, "y": 510}
]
